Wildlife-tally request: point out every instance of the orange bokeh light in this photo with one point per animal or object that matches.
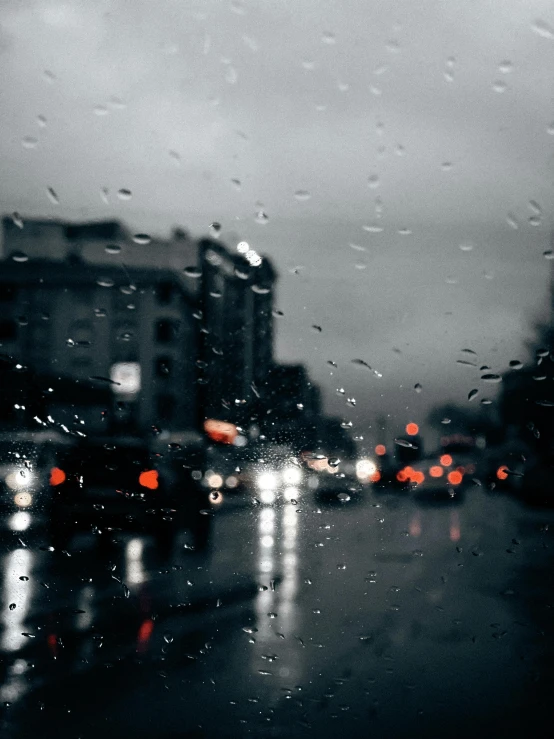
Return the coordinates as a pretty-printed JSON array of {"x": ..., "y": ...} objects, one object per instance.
[
  {"x": 436, "y": 471},
  {"x": 502, "y": 472},
  {"x": 220, "y": 431},
  {"x": 455, "y": 477},
  {"x": 380, "y": 449},
  {"x": 57, "y": 476},
  {"x": 149, "y": 479},
  {"x": 412, "y": 429},
  {"x": 375, "y": 476},
  {"x": 401, "y": 476},
  {"x": 446, "y": 460},
  {"x": 418, "y": 477}
]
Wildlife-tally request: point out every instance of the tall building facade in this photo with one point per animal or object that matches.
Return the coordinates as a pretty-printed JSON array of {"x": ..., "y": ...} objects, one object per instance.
[
  {"x": 133, "y": 330},
  {"x": 237, "y": 330}
]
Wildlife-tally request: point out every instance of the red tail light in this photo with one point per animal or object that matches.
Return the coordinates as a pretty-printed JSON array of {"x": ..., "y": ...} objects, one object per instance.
[
  {"x": 57, "y": 476},
  {"x": 455, "y": 477},
  {"x": 149, "y": 479}
]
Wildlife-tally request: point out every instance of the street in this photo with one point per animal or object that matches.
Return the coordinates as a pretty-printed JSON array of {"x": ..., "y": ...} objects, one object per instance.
[{"x": 374, "y": 616}]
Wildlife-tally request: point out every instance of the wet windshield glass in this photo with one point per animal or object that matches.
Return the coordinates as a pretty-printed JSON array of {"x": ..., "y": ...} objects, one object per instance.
[{"x": 276, "y": 368}]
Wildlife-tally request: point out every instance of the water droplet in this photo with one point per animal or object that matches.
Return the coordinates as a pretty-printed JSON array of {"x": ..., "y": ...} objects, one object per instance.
[
  {"x": 112, "y": 249},
  {"x": 472, "y": 394},
  {"x": 343, "y": 497},
  {"x": 231, "y": 75},
  {"x": 19, "y": 256},
  {"x": 29, "y": 142},
  {"x": 418, "y": 388},
  {"x": 550, "y": 129},
  {"x": 548, "y": 254},
  {"x": 175, "y": 156},
  {"x": 105, "y": 282},
  {"x": 49, "y": 76},
  {"x": 505, "y": 66},
  {"x": 486, "y": 401},
  {"x": 24, "y": 578},
  {"x": 142, "y": 239},
  {"x": 12, "y": 606},
  {"x": 328, "y": 38},
  {"x": 271, "y": 614},
  {"x": 351, "y": 402},
  {"x": 215, "y": 228},
  {"x": 302, "y": 195},
  {"x": 499, "y": 86},
  {"x": 100, "y": 110},
  {"x": 516, "y": 364},
  {"x": 341, "y": 566},
  {"x": 466, "y": 246},
  {"x": 100, "y": 312},
  {"x": 406, "y": 444},
  {"x": 261, "y": 217},
  {"x": 446, "y": 166},
  {"x": 511, "y": 220},
  {"x": 490, "y": 377},
  {"x": 373, "y": 181},
  {"x": 116, "y": 103},
  {"x": 168, "y": 637},
  {"x": 192, "y": 271},
  {"x": 541, "y": 28},
  {"x": 124, "y": 194},
  {"x": 52, "y": 196}
]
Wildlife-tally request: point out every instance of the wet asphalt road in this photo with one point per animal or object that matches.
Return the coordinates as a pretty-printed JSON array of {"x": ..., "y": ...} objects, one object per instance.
[{"x": 380, "y": 616}]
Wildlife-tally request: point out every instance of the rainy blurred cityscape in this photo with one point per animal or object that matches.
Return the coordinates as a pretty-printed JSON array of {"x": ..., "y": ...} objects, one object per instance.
[{"x": 152, "y": 443}]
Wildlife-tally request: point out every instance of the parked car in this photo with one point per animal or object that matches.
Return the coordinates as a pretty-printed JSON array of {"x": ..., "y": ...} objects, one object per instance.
[{"x": 105, "y": 485}]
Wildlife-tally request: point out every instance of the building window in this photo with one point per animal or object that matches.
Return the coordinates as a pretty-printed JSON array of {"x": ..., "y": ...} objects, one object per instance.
[
  {"x": 166, "y": 331},
  {"x": 165, "y": 407},
  {"x": 163, "y": 367},
  {"x": 164, "y": 292},
  {"x": 8, "y": 330}
]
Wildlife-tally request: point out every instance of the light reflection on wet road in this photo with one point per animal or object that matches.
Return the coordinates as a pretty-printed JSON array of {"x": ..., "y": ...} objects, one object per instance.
[{"x": 380, "y": 616}]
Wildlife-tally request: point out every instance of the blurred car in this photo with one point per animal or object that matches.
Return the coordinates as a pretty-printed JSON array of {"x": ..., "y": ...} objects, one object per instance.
[
  {"x": 104, "y": 485},
  {"x": 436, "y": 478},
  {"x": 380, "y": 472},
  {"x": 330, "y": 478},
  {"x": 26, "y": 461}
]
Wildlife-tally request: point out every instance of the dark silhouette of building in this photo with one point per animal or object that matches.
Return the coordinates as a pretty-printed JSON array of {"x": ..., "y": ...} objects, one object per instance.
[
  {"x": 237, "y": 330},
  {"x": 133, "y": 330},
  {"x": 100, "y": 242},
  {"x": 173, "y": 346}
]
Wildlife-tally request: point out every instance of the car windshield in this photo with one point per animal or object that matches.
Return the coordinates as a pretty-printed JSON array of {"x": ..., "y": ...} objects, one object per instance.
[{"x": 276, "y": 368}]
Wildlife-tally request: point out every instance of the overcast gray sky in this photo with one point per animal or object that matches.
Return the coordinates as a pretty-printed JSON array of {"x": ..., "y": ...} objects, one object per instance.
[{"x": 431, "y": 124}]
